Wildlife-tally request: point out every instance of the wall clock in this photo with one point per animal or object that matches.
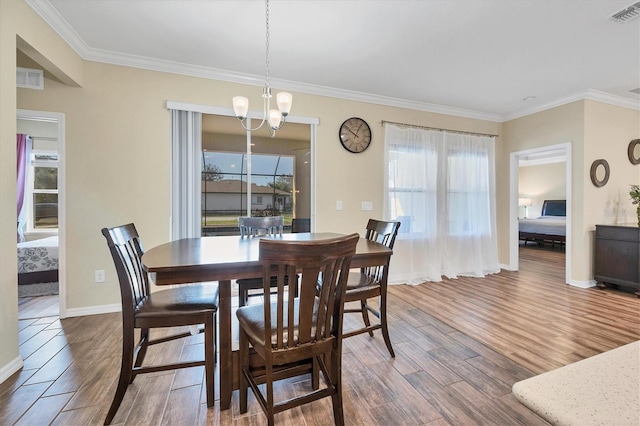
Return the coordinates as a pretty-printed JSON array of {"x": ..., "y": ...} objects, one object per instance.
[{"x": 355, "y": 135}]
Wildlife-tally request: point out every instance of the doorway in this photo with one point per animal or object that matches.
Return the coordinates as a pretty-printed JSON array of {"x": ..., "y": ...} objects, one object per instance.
[
  {"x": 548, "y": 154},
  {"x": 46, "y": 206}
]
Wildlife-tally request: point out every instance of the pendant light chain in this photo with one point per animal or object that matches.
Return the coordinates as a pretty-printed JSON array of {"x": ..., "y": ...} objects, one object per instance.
[
  {"x": 274, "y": 117},
  {"x": 267, "y": 50}
]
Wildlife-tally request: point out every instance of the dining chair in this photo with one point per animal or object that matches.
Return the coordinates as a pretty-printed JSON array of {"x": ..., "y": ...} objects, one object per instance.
[
  {"x": 296, "y": 335},
  {"x": 371, "y": 282},
  {"x": 267, "y": 225},
  {"x": 252, "y": 227},
  {"x": 184, "y": 305},
  {"x": 300, "y": 224}
]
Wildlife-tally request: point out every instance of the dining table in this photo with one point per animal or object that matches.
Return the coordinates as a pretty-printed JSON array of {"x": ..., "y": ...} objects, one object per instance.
[{"x": 227, "y": 258}]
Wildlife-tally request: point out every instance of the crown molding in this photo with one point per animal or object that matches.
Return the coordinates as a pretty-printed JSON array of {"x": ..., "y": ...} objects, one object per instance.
[
  {"x": 591, "y": 94},
  {"x": 608, "y": 98},
  {"x": 52, "y": 17},
  {"x": 255, "y": 80}
]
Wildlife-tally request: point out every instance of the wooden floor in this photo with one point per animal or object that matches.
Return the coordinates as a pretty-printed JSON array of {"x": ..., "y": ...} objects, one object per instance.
[
  {"x": 38, "y": 307},
  {"x": 460, "y": 345}
]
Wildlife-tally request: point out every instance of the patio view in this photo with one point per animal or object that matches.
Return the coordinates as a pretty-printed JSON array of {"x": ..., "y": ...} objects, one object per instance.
[{"x": 225, "y": 190}]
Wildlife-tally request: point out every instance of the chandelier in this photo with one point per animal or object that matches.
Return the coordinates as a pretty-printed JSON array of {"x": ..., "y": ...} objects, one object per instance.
[{"x": 275, "y": 117}]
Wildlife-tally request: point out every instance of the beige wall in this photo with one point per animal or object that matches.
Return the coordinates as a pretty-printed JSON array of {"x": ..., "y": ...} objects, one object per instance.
[
  {"x": 541, "y": 182},
  {"x": 608, "y": 131},
  {"x": 19, "y": 25}
]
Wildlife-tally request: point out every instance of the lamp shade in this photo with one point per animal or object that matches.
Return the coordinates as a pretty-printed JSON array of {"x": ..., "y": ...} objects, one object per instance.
[
  {"x": 524, "y": 202},
  {"x": 275, "y": 117},
  {"x": 284, "y": 102},
  {"x": 240, "y": 106}
]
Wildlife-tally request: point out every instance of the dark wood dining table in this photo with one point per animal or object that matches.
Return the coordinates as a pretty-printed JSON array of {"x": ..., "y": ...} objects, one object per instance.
[{"x": 226, "y": 258}]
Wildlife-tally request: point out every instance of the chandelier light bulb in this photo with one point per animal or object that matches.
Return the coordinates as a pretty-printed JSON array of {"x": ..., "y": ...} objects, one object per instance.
[
  {"x": 275, "y": 117},
  {"x": 241, "y": 106},
  {"x": 284, "y": 102}
]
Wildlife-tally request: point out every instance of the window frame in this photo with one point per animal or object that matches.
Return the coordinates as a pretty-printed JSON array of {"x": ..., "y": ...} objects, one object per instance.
[{"x": 32, "y": 191}]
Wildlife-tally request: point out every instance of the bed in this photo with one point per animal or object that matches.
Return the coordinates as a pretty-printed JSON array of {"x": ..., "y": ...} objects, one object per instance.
[
  {"x": 38, "y": 261},
  {"x": 550, "y": 227}
]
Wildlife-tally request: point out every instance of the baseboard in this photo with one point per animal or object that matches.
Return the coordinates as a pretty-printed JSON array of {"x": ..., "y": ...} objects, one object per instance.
[
  {"x": 11, "y": 368},
  {"x": 583, "y": 284},
  {"x": 92, "y": 310},
  {"x": 507, "y": 267}
]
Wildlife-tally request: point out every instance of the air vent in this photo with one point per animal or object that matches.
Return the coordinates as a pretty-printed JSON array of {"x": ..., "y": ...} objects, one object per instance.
[
  {"x": 29, "y": 78},
  {"x": 627, "y": 14}
]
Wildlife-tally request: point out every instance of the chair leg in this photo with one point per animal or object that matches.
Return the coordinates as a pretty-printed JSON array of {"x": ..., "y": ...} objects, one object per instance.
[
  {"x": 125, "y": 374},
  {"x": 315, "y": 374},
  {"x": 209, "y": 358},
  {"x": 243, "y": 295},
  {"x": 336, "y": 378},
  {"x": 365, "y": 315},
  {"x": 141, "y": 349},
  {"x": 270, "y": 401},
  {"x": 243, "y": 362},
  {"x": 383, "y": 321}
]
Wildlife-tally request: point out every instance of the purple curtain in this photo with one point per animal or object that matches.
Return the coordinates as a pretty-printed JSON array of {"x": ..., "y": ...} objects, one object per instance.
[{"x": 23, "y": 151}]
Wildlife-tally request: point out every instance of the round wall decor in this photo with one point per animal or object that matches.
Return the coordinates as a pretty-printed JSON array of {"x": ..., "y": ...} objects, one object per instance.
[
  {"x": 634, "y": 151},
  {"x": 600, "y": 176}
]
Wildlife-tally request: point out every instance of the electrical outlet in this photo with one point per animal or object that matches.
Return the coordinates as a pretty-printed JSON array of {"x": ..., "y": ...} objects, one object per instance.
[
  {"x": 367, "y": 205},
  {"x": 338, "y": 205},
  {"x": 99, "y": 275}
]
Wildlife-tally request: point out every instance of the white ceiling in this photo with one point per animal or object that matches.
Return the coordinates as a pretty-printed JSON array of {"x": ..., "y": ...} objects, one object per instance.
[{"x": 473, "y": 58}]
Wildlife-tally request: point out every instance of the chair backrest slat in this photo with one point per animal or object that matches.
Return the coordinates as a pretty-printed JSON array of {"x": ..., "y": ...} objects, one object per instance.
[
  {"x": 268, "y": 225},
  {"x": 126, "y": 250},
  {"x": 382, "y": 232},
  {"x": 317, "y": 318}
]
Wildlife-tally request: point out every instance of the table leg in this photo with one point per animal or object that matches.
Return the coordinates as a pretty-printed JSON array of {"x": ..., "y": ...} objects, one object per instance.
[{"x": 226, "y": 360}]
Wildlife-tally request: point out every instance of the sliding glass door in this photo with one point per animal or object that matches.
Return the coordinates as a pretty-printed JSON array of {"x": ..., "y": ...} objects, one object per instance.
[{"x": 263, "y": 177}]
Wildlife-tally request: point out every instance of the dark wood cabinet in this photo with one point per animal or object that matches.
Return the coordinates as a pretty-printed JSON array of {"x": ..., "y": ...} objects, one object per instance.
[{"x": 618, "y": 256}]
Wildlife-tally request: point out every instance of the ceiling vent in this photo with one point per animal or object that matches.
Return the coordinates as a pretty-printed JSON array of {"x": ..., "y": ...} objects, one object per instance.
[
  {"x": 627, "y": 14},
  {"x": 29, "y": 78}
]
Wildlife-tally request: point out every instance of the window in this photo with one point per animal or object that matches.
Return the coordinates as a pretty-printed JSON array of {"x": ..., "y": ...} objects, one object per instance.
[
  {"x": 468, "y": 194},
  {"x": 224, "y": 188},
  {"x": 413, "y": 194},
  {"x": 43, "y": 192},
  {"x": 440, "y": 186}
]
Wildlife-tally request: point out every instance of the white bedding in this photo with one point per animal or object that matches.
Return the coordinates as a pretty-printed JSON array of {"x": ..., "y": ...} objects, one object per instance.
[
  {"x": 548, "y": 225},
  {"x": 38, "y": 255}
]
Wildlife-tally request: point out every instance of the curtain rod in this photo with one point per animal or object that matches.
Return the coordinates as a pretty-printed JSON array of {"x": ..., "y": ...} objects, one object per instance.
[{"x": 383, "y": 122}]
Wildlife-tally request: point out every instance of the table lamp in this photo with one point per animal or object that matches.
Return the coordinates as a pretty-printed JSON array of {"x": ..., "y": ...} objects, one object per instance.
[{"x": 524, "y": 202}]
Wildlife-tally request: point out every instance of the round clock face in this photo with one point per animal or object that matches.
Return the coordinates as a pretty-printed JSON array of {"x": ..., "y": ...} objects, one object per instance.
[{"x": 355, "y": 135}]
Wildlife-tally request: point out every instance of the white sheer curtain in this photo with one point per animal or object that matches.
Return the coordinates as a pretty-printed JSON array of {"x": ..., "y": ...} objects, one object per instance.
[
  {"x": 186, "y": 158},
  {"x": 441, "y": 186}
]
